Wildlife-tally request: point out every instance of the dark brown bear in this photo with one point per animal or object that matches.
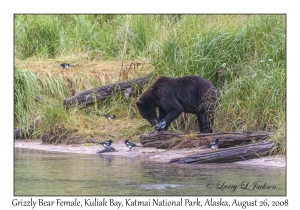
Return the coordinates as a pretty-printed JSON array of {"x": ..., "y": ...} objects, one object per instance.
[{"x": 172, "y": 96}]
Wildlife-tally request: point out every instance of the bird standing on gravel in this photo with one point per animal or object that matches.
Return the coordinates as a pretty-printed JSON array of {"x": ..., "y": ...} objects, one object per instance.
[
  {"x": 106, "y": 143},
  {"x": 130, "y": 144},
  {"x": 214, "y": 145}
]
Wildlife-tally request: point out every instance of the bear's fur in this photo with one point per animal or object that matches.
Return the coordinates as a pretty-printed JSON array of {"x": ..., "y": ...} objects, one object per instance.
[{"x": 172, "y": 96}]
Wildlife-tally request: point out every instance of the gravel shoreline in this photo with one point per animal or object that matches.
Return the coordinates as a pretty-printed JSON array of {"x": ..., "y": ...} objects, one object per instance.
[{"x": 147, "y": 153}]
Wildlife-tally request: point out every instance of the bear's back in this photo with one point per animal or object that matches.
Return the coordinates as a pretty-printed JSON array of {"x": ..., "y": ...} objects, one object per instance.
[
  {"x": 186, "y": 88},
  {"x": 192, "y": 81}
]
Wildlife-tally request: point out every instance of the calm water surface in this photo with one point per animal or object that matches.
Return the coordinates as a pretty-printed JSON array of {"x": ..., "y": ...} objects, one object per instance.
[{"x": 51, "y": 173}]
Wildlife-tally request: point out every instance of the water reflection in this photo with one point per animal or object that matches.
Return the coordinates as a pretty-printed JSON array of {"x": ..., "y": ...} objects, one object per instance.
[{"x": 50, "y": 173}]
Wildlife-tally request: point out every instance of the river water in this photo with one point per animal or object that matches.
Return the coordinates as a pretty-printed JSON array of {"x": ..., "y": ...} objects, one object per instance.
[{"x": 52, "y": 173}]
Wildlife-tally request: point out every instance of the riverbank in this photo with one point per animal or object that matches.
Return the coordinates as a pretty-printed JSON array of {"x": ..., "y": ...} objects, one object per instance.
[{"x": 147, "y": 153}]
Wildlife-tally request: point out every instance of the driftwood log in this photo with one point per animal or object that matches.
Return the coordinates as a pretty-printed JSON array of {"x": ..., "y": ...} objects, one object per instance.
[
  {"x": 165, "y": 140},
  {"x": 232, "y": 154},
  {"x": 89, "y": 97}
]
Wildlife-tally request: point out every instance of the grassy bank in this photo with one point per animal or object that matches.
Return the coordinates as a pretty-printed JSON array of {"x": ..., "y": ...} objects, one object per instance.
[{"x": 247, "y": 51}]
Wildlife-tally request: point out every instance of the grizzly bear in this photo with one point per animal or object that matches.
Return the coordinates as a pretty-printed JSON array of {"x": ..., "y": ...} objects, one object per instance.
[{"x": 172, "y": 96}]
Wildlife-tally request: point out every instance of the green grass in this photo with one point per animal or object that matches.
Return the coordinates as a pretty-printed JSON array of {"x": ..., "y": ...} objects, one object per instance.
[
  {"x": 252, "y": 87},
  {"x": 25, "y": 90}
]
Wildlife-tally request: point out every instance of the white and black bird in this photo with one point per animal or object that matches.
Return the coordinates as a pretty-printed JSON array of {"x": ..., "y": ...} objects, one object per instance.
[
  {"x": 159, "y": 127},
  {"x": 214, "y": 145},
  {"x": 130, "y": 144},
  {"x": 65, "y": 65},
  {"x": 108, "y": 116},
  {"x": 106, "y": 143}
]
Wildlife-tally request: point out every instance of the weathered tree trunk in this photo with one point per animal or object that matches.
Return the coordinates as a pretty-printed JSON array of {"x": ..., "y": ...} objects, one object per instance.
[
  {"x": 161, "y": 140},
  {"x": 165, "y": 139},
  {"x": 232, "y": 154},
  {"x": 89, "y": 97}
]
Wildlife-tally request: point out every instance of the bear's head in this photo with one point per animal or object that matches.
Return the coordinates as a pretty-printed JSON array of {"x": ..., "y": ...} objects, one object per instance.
[{"x": 148, "y": 111}]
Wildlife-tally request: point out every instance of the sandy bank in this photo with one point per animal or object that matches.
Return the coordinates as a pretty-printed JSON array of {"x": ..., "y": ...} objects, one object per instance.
[{"x": 148, "y": 153}]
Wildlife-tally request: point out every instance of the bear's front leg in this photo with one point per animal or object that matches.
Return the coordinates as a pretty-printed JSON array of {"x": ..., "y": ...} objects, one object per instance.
[
  {"x": 173, "y": 113},
  {"x": 161, "y": 115}
]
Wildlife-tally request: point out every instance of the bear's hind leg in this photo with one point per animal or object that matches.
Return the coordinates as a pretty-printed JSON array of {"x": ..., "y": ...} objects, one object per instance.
[{"x": 203, "y": 121}]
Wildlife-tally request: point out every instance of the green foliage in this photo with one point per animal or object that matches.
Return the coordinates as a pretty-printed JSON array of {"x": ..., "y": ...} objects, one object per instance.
[
  {"x": 38, "y": 35},
  {"x": 252, "y": 86},
  {"x": 26, "y": 88},
  {"x": 49, "y": 36},
  {"x": 56, "y": 124}
]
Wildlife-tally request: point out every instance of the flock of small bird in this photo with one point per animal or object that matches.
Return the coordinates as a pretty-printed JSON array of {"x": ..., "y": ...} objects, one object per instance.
[
  {"x": 130, "y": 145},
  {"x": 107, "y": 146}
]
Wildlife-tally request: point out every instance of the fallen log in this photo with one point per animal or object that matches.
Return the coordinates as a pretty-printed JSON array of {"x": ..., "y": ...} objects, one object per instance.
[
  {"x": 165, "y": 140},
  {"x": 161, "y": 140},
  {"x": 232, "y": 154},
  {"x": 89, "y": 97}
]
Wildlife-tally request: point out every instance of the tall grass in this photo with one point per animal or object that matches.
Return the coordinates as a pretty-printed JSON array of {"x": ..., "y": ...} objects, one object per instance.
[
  {"x": 49, "y": 36},
  {"x": 26, "y": 88},
  {"x": 59, "y": 125},
  {"x": 252, "y": 87}
]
